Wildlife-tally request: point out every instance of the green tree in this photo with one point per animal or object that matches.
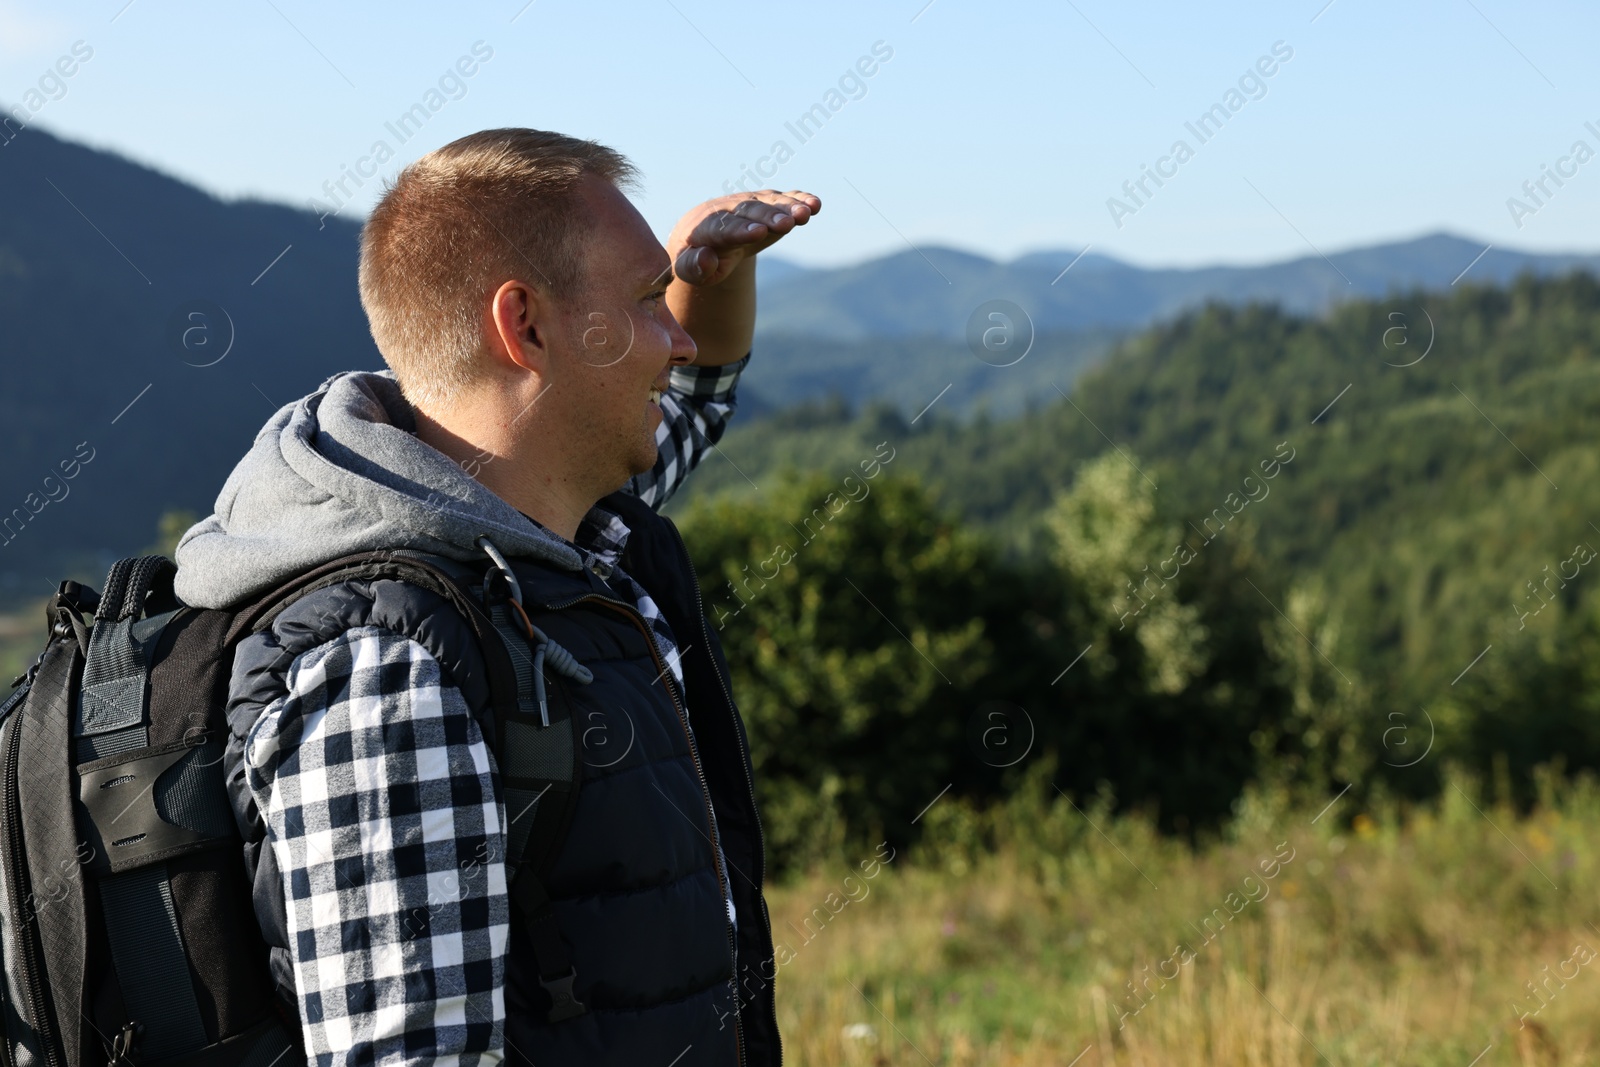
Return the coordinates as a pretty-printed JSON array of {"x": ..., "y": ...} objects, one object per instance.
[
  {"x": 863, "y": 627},
  {"x": 1177, "y": 685}
]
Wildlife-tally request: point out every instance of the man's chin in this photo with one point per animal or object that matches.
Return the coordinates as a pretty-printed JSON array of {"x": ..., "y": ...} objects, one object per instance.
[
  {"x": 640, "y": 460},
  {"x": 644, "y": 459}
]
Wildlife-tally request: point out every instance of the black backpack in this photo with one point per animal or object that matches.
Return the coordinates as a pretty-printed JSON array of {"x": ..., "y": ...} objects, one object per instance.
[{"x": 127, "y": 929}]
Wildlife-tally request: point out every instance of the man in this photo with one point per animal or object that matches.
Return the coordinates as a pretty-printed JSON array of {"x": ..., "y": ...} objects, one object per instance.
[{"x": 545, "y": 352}]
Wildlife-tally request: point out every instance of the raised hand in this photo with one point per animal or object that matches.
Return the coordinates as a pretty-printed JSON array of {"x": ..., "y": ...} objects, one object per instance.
[{"x": 714, "y": 238}]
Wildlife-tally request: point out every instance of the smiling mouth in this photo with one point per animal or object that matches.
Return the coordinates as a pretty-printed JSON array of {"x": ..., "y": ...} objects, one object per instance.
[{"x": 655, "y": 396}]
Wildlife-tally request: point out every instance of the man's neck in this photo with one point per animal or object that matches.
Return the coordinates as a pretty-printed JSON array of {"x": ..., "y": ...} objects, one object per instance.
[{"x": 509, "y": 469}]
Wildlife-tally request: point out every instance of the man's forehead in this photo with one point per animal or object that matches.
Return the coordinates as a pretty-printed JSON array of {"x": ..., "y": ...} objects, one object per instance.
[
  {"x": 627, "y": 233},
  {"x": 648, "y": 266},
  {"x": 636, "y": 272},
  {"x": 663, "y": 276}
]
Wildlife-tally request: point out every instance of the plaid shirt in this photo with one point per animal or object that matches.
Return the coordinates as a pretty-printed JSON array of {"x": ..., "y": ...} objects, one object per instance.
[{"x": 379, "y": 796}]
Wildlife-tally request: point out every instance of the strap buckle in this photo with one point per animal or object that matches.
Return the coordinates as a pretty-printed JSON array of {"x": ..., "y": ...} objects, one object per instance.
[
  {"x": 564, "y": 1004},
  {"x": 123, "y": 1045}
]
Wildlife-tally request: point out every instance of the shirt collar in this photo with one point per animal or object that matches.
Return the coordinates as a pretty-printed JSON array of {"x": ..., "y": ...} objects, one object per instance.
[{"x": 602, "y": 536}]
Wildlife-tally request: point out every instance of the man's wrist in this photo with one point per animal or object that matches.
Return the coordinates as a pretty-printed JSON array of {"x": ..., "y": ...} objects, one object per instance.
[{"x": 721, "y": 318}]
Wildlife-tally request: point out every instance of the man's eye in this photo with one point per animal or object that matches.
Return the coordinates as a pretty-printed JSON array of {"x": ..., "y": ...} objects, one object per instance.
[{"x": 657, "y": 296}]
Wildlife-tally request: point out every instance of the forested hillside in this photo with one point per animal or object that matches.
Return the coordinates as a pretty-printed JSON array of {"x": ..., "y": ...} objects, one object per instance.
[
  {"x": 149, "y": 330},
  {"x": 1394, "y": 507},
  {"x": 791, "y": 371}
]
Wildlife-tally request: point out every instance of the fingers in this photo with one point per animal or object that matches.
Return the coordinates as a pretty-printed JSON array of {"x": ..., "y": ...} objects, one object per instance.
[
  {"x": 736, "y": 226},
  {"x": 774, "y": 215},
  {"x": 757, "y": 216},
  {"x": 800, "y": 205},
  {"x": 695, "y": 265},
  {"x": 812, "y": 202},
  {"x": 748, "y": 222}
]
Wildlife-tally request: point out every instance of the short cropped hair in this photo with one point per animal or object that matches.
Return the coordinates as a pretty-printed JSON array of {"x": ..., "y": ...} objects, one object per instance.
[{"x": 457, "y": 224}]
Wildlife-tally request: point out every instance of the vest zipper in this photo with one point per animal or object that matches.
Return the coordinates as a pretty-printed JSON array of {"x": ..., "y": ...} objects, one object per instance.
[
  {"x": 705, "y": 789},
  {"x": 744, "y": 765},
  {"x": 26, "y": 928}
]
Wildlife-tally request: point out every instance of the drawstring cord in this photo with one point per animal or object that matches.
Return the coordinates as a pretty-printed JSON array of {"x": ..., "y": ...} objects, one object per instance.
[{"x": 545, "y": 649}]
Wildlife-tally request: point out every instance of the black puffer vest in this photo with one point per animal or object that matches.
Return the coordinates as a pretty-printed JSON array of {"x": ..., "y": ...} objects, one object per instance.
[{"x": 637, "y": 885}]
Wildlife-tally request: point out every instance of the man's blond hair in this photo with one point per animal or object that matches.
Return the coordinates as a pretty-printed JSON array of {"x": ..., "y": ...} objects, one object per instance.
[{"x": 457, "y": 224}]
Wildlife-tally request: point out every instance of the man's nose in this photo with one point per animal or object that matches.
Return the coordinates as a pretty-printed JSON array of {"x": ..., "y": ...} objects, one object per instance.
[{"x": 683, "y": 346}]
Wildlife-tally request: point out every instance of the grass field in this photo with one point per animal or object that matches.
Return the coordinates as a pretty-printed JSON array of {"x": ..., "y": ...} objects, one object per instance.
[{"x": 1453, "y": 934}]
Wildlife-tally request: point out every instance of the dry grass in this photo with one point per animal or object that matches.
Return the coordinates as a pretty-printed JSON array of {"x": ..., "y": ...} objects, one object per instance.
[{"x": 1386, "y": 939}]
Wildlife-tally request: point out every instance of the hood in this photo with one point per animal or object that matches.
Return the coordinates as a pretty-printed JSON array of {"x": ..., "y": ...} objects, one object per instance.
[{"x": 338, "y": 472}]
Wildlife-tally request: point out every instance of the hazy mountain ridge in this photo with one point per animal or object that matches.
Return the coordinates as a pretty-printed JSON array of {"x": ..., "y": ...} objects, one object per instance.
[
  {"x": 101, "y": 261},
  {"x": 934, "y": 290}
]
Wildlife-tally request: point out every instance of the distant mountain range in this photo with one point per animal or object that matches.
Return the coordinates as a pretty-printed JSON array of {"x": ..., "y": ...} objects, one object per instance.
[
  {"x": 102, "y": 262},
  {"x": 933, "y": 291},
  {"x": 155, "y": 327}
]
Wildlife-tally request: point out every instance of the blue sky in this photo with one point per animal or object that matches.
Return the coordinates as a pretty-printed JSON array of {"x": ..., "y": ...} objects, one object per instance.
[{"x": 999, "y": 128}]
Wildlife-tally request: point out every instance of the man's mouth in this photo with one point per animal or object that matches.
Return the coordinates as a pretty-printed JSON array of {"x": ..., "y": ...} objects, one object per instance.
[{"x": 655, "y": 396}]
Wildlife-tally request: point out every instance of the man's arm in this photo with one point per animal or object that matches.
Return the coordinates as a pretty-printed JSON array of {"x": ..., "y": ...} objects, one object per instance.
[
  {"x": 376, "y": 786},
  {"x": 721, "y": 318},
  {"x": 713, "y": 296},
  {"x": 713, "y": 248}
]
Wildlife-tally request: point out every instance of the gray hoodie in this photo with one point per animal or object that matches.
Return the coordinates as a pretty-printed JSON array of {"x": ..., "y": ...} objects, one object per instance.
[{"x": 337, "y": 472}]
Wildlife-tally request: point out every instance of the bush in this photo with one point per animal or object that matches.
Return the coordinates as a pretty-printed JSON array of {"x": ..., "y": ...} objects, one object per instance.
[{"x": 863, "y": 627}]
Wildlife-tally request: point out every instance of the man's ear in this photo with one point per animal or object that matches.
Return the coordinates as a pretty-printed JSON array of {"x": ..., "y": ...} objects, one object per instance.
[{"x": 521, "y": 321}]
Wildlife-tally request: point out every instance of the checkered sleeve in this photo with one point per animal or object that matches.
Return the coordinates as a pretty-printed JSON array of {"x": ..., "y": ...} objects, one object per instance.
[
  {"x": 377, "y": 788},
  {"x": 695, "y": 411}
]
